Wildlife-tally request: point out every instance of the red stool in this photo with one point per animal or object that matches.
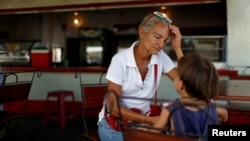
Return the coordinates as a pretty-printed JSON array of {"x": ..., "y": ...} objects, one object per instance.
[{"x": 62, "y": 116}]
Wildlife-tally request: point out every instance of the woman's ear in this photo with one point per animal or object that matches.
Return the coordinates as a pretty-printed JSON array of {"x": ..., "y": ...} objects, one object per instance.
[{"x": 141, "y": 33}]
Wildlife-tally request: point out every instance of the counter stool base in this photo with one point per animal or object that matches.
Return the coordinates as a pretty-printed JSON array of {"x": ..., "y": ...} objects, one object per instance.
[{"x": 62, "y": 116}]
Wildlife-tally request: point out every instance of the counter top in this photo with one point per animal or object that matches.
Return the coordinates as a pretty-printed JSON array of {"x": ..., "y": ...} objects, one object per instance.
[
  {"x": 221, "y": 72},
  {"x": 56, "y": 69}
]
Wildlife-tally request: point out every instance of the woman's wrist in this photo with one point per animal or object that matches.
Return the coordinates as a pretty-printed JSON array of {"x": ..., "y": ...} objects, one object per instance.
[{"x": 179, "y": 53}]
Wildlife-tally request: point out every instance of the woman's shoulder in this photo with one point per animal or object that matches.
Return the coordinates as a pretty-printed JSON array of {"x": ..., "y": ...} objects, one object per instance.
[
  {"x": 119, "y": 56},
  {"x": 162, "y": 53},
  {"x": 122, "y": 53}
]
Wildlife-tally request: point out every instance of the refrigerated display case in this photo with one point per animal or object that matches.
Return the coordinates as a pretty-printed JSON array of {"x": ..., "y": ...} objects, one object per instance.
[
  {"x": 214, "y": 47},
  {"x": 17, "y": 53},
  {"x": 93, "y": 47},
  {"x": 124, "y": 41}
]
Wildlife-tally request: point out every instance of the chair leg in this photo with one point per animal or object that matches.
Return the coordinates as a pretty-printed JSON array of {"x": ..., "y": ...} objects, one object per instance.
[
  {"x": 62, "y": 113},
  {"x": 3, "y": 129}
]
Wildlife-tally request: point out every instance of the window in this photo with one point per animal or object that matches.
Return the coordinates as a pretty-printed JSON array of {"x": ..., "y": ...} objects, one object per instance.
[{"x": 212, "y": 46}]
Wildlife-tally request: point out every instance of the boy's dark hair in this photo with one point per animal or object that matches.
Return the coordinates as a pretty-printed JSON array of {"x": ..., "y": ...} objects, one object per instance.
[{"x": 199, "y": 76}]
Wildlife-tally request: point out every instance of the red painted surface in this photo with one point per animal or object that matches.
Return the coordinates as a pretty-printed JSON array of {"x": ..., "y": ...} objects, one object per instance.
[
  {"x": 240, "y": 77},
  {"x": 90, "y": 69},
  {"x": 38, "y": 107},
  {"x": 117, "y": 4},
  {"x": 228, "y": 72},
  {"x": 41, "y": 58},
  {"x": 51, "y": 69}
]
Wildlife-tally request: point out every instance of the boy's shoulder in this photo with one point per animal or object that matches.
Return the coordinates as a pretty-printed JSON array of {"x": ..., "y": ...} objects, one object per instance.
[{"x": 171, "y": 103}]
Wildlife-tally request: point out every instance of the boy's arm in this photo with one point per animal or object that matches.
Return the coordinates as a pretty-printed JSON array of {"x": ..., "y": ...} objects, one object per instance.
[
  {"x": 159, "y": 124},
  {"x": 222, "y": 113},
  {"x": 162, "y": 121}
]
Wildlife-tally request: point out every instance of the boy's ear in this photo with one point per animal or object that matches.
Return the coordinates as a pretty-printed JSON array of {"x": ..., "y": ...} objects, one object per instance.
[{"x": 182, "y": 86}]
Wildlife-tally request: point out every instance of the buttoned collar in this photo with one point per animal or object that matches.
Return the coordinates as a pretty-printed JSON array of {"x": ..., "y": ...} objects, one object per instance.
[{"x": 131, "y": 58}]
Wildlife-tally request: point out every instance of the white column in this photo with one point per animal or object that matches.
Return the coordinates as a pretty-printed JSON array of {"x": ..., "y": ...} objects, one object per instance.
[{"x": 238, "y": 24}]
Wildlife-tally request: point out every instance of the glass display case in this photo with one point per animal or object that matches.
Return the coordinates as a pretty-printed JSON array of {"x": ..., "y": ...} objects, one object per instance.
[
  {"x": 124, "y": 41},
  {"x": 17, "y": 53},
  {"x": 214, "y": 47},
  {"x": 93, "y": 51},
  {"x": 93, "y": 47}
]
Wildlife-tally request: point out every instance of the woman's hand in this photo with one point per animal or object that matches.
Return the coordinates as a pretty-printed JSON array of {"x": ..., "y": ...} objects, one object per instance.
[
  {"x": 152, "y": 119},
  {"x": 176, "y": 40}
]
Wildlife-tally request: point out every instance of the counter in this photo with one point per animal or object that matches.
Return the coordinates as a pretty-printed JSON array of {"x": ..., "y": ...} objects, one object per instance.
[
  {"x": 50, "y": 79},
  {"x": 222, "y": 72},
  {"x": 55, "y": 69}
]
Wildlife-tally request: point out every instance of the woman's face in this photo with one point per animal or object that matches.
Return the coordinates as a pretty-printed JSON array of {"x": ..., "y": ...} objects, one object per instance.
[{"x": 156, "y": 38}]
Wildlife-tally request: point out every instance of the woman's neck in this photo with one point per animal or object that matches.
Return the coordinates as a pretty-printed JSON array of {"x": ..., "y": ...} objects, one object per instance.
[{"x": 140, "y": 53}]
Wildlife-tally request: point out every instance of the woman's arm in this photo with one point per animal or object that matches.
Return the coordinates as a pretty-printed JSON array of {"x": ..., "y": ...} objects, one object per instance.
[
  {"x": 158, "y": 126},
  {"x": 176, "y": 41},
  {"x": 125, "y": 112},
  {"x": 172, "y": 74}
]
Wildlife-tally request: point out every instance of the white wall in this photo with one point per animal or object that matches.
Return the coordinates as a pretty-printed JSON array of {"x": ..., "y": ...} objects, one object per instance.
[
  {"x": 45, "y": 82},
  {"x": 238, "y": 23}
]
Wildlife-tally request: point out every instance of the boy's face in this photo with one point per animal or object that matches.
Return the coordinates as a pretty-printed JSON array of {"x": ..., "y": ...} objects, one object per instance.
[
  {"x": 179, "y": 87},
  {"x": 178, "y": 84}
]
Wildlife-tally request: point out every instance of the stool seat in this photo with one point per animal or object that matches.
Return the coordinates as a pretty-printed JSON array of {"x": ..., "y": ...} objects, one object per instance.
[{"x": 61, "y": 115}]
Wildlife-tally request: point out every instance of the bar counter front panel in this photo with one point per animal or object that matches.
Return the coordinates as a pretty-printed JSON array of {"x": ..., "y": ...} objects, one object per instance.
[{"x": 50, "y": 79}]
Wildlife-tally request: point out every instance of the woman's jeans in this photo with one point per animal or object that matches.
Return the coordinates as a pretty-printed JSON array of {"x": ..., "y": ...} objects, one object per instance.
[{"x": 106, "y": 133}]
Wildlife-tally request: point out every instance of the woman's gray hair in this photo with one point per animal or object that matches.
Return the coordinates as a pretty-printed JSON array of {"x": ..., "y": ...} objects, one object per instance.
[{"x": 149, "y": 20}]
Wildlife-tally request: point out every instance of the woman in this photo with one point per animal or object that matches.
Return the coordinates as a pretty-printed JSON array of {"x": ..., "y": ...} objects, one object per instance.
[{"x": 136, "y": 72}]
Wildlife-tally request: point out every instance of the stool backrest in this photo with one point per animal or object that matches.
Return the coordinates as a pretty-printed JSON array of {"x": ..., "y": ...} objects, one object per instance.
[
  {"x": 14, "y": 88},
  {"x": 14, "y": 94}
]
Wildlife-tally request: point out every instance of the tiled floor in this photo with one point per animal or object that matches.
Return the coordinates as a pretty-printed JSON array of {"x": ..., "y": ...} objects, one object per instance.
[{"x": 31, "y": 129}]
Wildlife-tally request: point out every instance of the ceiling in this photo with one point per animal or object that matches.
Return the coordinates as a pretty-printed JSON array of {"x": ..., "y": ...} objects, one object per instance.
[{"x": 38, "y": 6}]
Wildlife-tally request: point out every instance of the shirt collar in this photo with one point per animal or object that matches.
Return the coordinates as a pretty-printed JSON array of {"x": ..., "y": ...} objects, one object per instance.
[{"x": 131, "y": 58}]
